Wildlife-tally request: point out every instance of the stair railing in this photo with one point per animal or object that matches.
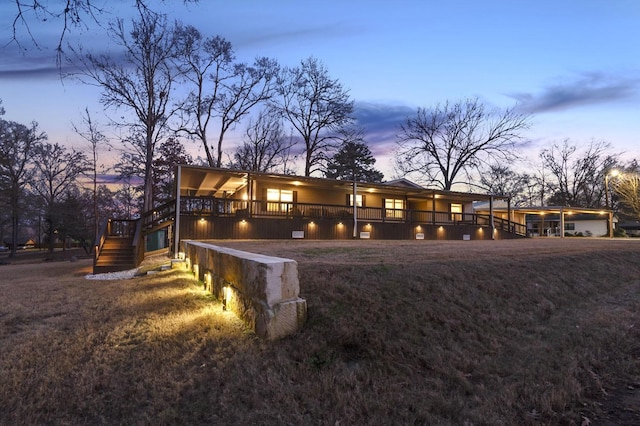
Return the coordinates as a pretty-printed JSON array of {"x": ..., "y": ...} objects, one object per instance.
[{"x": 100, "y": 239}]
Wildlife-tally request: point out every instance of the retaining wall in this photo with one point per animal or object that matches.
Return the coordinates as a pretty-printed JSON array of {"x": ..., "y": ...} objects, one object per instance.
[{"x": 262, "y": 290}]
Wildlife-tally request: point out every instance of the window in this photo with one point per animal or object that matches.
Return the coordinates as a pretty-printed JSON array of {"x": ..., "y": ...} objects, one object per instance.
[
  {"x": 358, "y": 200},
  {"x": 569, "y": 226},
  {"x": 394, "y": 208},
  {"x": 279, "y": 200},
  {"x": 456, "y": 212}
]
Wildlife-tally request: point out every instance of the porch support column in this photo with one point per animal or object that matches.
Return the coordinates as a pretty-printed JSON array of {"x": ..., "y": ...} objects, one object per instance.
[
  {"x": 509, "y": 222},
  {"x": 176, "y": 223},
  {"x": 355, "y": 209},
  {"x": 561, "y": 222},
  {"x": 433, "y": 207},
  {"x": 250, "y": 195},
  {"x": 493, "y": 225}
]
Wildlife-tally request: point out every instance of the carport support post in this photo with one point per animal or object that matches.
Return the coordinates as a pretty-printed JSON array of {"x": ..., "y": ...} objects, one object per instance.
[
  {"x": 610, "y": 213},
  {"x": 561, "y": 222}
]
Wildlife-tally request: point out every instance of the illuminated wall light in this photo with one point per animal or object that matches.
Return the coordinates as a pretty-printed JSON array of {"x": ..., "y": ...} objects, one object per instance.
[
  {"x": 418, "y": 228},
  {"x": 340, "y": 224},
  {"x": 245, "y": 197},
  {"x": 202, "y": 220},
  {"x": 243, "y": 222}
]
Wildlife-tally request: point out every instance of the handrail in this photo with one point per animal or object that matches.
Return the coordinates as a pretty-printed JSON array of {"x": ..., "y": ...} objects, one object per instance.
[
  {"x": 138, "y": 243},
  {"x": 100, "y": 239}
]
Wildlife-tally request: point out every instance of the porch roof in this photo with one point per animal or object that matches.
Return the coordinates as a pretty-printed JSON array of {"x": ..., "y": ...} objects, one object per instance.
[{"x": 217, "y": 182}]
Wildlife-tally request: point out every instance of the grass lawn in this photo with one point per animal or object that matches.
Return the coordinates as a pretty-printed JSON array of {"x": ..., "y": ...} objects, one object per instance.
[{"x": 536, "y": 331}]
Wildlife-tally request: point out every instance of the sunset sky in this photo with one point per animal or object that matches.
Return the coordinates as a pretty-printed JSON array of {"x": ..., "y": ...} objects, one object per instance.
[{"x": 573, "y": 64}]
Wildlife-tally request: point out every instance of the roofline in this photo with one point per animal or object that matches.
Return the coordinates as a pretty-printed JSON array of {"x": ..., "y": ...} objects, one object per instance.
[{"x": 419, "y": 190}]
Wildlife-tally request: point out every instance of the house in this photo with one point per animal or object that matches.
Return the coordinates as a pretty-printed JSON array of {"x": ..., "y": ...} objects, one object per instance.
[
  {"x": 632, "y": 228},
  {"x": 218, "y": 203}
]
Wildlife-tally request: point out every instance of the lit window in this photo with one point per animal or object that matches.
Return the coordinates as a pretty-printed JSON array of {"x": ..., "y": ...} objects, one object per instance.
[
  {"x": 358, "y": 200},
  {"x": 394, "y": 208},
  {"x": 279, "y": 200},
  {"x": 456, "y": 212}
]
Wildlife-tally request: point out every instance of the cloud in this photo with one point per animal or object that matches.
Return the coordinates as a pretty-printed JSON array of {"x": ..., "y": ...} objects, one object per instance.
[
  {"x": 583, "y": 90},
  {"x": 381, "y": 123}
]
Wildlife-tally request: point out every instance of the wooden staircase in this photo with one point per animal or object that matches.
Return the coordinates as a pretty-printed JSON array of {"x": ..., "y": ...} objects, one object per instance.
[{"x": 117, "y": 254}]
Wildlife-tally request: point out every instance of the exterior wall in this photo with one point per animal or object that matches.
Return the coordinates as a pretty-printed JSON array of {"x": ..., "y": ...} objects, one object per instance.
[
  {"x": 213, "y": 228},
  {"x": 596, "y": 228}
]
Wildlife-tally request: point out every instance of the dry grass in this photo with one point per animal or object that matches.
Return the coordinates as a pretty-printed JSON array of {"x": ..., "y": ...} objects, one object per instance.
[{"x": 476, "y": 332}]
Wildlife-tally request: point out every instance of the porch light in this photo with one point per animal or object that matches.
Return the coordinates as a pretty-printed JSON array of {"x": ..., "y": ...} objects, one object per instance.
[
  {"x": 202, "y": 220},
  {"x": 245, "y": 197},
  {"x": 312, "y": 223},
  {"x": 418, "y": 228},
  {"x": 244, "y": 222}
]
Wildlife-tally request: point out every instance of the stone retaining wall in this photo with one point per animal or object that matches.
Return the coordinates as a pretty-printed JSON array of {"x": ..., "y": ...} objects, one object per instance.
[{"x": 261, "y": 290}]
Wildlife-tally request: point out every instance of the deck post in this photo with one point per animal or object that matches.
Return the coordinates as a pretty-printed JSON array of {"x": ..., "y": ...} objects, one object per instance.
[
  {"x": 493, "y": 225},
  {"x": 176, "y": 233},
  {"x": 355, "y": 208}
]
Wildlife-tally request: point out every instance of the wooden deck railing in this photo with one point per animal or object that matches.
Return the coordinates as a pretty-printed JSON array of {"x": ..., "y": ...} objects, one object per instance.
[{"x": 207, "y": 206}]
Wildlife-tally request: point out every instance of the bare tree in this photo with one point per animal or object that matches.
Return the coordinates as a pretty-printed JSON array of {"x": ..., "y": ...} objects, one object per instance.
[
  {"x": 92, "y": 134},
  {"x": 442, "y": 143},
  {"x": 17, "y": 145},
  {"x": 141, "y": 82},
  {"x": 57, "y": 171},
  {"x": 265, "y": 147},
  {"x": 316, "y": 106},
  {"x": 626, "y": 187},
  {"x": 578, "y": 175},
  {"x": 224, "y": 91},
  {"x": 72, "y": 14},
  {"x": 505, "y": 182}
]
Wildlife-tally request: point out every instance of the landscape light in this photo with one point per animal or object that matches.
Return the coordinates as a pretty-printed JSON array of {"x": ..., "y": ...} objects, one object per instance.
[
  {"x": 196, "y": 271},
  {"x": 207, "y": 281},
  {"x": 226, "y": 297}
]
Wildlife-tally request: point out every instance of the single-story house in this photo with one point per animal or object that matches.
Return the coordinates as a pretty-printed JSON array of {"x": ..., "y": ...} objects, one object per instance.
[
  {"x": 632, "y": 228},
  {"x": 216, "y": 203}
]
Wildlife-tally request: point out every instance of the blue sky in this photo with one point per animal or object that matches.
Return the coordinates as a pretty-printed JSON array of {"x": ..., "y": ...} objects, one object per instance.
[{"x": 573, "y": 64}]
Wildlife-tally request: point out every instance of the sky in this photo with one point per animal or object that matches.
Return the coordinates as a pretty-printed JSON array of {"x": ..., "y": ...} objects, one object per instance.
[{"x": 574, "y": 65}]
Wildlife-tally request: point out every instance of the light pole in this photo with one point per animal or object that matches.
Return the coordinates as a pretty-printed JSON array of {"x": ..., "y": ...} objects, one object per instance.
[{"x": 612, "y": 173}]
